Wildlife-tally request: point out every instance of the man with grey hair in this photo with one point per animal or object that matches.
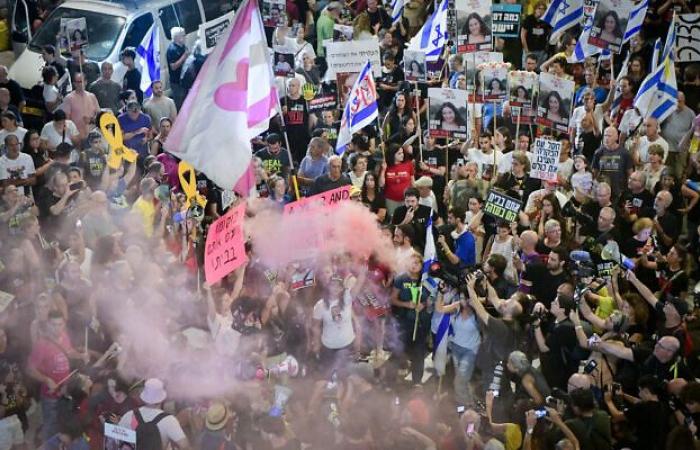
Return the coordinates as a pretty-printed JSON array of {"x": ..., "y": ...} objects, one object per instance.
[
  {"x": 315, "y": 163},
  {"x": 674, "y": 129},
  {"x": 612, "y": 162},
  {"x": 334, "y": 179},
  {"x": 105, "y": 89},
  {"x": 637, "y": 200},
  {"x": 666, "y": 223},
  {"x": 176, "y": 55}
]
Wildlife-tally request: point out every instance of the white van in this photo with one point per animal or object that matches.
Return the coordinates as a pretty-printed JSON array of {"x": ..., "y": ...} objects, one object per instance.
[{"x": 111, "y": 26}]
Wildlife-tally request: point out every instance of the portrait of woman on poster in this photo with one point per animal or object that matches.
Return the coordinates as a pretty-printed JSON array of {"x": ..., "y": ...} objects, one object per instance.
[
  {"x": 476, "y": 30},
  {"x": 554, "y": 105},
  {"x": 415, "y": 69},
  {"x": 497, "y": 87},
  {"x": 450, "y": 119},
  {"x": 77, "y": 38},
  {"x": 610, "y": 30},
  {"x": 520, "y": 95}
]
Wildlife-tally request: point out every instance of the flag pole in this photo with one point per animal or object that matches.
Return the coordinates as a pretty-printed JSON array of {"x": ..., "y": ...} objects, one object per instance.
[
  {"x": 286, "y": 140},
  {"x": 420, "y": 133}
]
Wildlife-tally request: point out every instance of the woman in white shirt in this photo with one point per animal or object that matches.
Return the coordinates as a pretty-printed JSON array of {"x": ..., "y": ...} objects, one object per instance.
[
  {"x": 52, "y": 96},
  {"x": 58, "y": 131},
  {"x": 334, "y": 324}
]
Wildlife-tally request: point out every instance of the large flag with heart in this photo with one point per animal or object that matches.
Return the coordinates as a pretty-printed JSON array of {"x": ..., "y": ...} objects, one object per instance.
[{"x": 232, "y": 101}]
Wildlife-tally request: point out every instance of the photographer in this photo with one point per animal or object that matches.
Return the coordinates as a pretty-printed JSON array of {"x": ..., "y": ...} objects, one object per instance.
[
  {"x": 494, "y": 268},
  {"x": 569, "y": 442},
  {"x": 559, "y": 352},
  {"x": 647, "y": 414},
  {"x": 590, "y": 425},
  {"x": 464, "y": 254}
]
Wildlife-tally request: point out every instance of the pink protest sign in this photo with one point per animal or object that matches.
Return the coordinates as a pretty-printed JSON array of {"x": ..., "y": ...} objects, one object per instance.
[
  {"x": 326, "y": 199},
  {"x": 225, "y": 247}
]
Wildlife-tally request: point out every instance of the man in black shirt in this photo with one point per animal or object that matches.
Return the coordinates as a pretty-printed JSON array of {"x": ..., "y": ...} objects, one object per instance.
[
  {"x": 494, "y": 268},
  {"x": 334, "y": 179},
  {"x": 413, "y": 213},
  {"x": 637, "y": 201},
  {"x": 534, "y": 34},
  {"x": 176, "y": 56},
  {"x": 666, "y": 222},
  {"x": 275, "y": 159}
]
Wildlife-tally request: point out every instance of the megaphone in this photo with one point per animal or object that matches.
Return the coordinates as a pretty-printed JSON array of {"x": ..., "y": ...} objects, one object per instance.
[
  {"x": 611, "y": 252},
  {"x": 289, "y": 366}
]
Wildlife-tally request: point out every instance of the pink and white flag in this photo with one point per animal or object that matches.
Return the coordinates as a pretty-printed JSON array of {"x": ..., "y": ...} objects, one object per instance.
[{"x": 231, "y": 102}]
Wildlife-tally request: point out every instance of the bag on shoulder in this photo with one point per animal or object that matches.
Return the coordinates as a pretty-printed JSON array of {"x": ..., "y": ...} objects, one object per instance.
[{"x": 147, "y": 433}]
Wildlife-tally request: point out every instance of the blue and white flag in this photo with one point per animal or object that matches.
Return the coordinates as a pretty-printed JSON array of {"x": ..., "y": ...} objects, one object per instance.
[
  {"x": 432, "y": 37},
  {"x": 636, "y": 20},
  {"x": 656, "y": 53},
  {"x": 396, "y": 11},
  {"x": 658, "y": 94},
  {"x": 562, "y": 15},
  {"x": 583, "y": 49},
  {"x": 148, "y": 60},
  {"x": 360, "y": 108}
]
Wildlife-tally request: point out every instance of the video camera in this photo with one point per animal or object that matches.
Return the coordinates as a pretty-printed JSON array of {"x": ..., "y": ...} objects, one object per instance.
[
  {"x": 459, "y": 280},
  {"x": 569, "y": 210}
]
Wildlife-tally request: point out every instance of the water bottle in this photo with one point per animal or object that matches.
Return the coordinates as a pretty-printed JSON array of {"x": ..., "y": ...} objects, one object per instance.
[{"x": 495, "y": 385}]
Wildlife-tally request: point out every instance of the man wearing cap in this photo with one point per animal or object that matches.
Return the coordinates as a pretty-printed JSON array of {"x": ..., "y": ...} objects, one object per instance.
[
  {"x": 135, "y": 128},
  {"x": 275, "y": 158},
  {"x": 424, "y": 185},
  {"x": 218, "y": 429},
  {"x": 153, "y": 395}
]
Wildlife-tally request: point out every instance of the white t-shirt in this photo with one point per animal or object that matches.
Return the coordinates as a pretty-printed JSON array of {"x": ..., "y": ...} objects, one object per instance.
[
  {"x": 336, "y": 327},
  {"x": 17, "y": 169},
  {"x": 51, "y": 94},
  {"x": 484, "y": 161},
  {"x": 11, "y": 434},
  {"x": 169, "y": 427},
  {"x": 19, "y": 132},
  {"x": 630, "y": 120},
  {"x": 53, "y": 137},
  {"x": 566, "y": 168},
  {"x": 644, "y": 144}
]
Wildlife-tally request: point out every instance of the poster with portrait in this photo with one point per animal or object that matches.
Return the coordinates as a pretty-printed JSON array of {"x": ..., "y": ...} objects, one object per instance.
[
  {"x": 555, "y": 100},
  {"x": 688, "y": 37},
  {"x": 522, "y": 86},
  {"x": 473, "y": 25},
  {"x": 345, "y": 81},
  {"x": 494, "y": 78},
  {"x": 283, "y": 64},
  {"x": 473, "y": 61},
  {"x": 76, "y": 30},
  {"x": 274, "y": 13},
  {"x": 609, "y": 24},
  {"x": 414, "y": 65},
  {"x": 62, "y": 43},
  {"x": 447, "y": 109},
  {"x": 119, "y": 438}
]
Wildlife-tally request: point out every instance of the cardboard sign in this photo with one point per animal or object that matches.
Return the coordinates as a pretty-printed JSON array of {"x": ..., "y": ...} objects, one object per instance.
[
  {"x": 506, "y": 20},
  {"x": 352, "y": 56},
  {"x": 119, "y": 438},
  {"x": 326, "y": 199},
  {"x": 76, "y": 30},
  {"x": 688, "y": 37},
  {"x": 210, "y": 32},
  {"x": 609, "y": 24},
  {"x": 556, "y": 96},
  {"x": 225, "y": 247},
  {"x": 501, "y": 206},
  {"x": 545, "y": 159},
  {"x": 274, "y": 13},
  {"x": 448, "y": 113},
  {"x": 473, "y": 25},
  {"x": 322, "y": 103}
]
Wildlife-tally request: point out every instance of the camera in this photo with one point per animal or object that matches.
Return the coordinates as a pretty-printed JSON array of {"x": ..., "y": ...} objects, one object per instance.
[
  {"x": 540, "y": 413},
  {"x": 569, "y": 210}
]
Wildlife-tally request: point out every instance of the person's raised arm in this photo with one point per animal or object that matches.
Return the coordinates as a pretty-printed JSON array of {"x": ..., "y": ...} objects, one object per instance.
[
  {"x": 613, "y": 349},
  {"x": 644, "y": 291},
  {"x": 539, "y": 336},
  {"x": 556, "y": 419},
  {"x": 475, "y": 303}
]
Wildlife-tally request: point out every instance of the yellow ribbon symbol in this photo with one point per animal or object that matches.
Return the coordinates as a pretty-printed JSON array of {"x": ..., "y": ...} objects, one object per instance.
[
  {"x": 189, "y": 185},
  {"x": 117, "y": 150}
]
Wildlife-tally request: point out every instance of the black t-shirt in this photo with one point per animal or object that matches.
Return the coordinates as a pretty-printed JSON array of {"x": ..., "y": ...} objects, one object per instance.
[
  {"x": 537, "y": 274},
  {"x": 391, "y": 78},
  {"x": 420, "y": 220},
  {"x": 324, "y": 183},
  {"x": 378, "y": 203},
  {"x": 670, "y": 223},
  {"x": 537, "y": 33},
  {"x": 274, "y": 163},
  {"x": 649, "y": 365},
  {"x": 632, "y": 248},
  {"x": 562, "y": 359},
  {"x": 297, "y": 121},
  {"x": 640, "y": 204},
  {"x": 93, "y": 164},
  {"x": 132, "y": 80},
  {"x": 519, "y": 188},
  {"x": 500, "y": 339},
  {"x": 16, "y": 95},
  {"x": 174, "y": 53}
]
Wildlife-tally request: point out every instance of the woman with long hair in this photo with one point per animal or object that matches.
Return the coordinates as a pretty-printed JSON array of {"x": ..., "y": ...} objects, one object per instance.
[
  {"x": 32, "y": 147},
  {"x": 476, "y": 30},
  {"x": 373, "y": 197},
  {"x": 609, "y": 26},
  {"x": 554, "y": 105},
  {"x": 399, "y": 110},
  {"x": 521, "y": 95},
  {"x": 408, "y": 129},
  {"x": 399, "y": 175},
  {"x": 449, "y": 118}
]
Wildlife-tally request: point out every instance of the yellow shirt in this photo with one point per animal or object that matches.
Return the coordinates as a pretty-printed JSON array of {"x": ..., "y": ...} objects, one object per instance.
[{"x": 147, "y": 210}]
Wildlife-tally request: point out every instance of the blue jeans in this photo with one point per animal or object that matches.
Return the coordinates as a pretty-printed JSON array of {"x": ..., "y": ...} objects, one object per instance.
[
  {"x": 49, "y": 417},
  {"x": 463, "y": 360}
]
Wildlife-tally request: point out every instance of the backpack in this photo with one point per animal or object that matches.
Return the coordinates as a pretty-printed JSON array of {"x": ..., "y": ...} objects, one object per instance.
[{"x": 147, "y": 433}]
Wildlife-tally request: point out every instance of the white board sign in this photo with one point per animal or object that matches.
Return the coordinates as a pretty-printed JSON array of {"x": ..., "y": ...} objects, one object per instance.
[
  {"x": 350, "y": 57},
  {"x": 688, "y": 38},
  {"x": 545, "y": 159}
]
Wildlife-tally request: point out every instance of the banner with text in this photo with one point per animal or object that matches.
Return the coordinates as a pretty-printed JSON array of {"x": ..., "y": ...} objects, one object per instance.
[
  {"x": 326, "y": 199},
  {"x": 352, "y": 56},
  {"x": 210, "y": 32},
  {"x": 688, "y": 37},
  {"x": 501, "y": 206},
  {"x": 506, "y": 20},
  {"x": 118, "y": 438},
  {"x": 545, "y": 159},
  {"x": 225, "y": 246}
]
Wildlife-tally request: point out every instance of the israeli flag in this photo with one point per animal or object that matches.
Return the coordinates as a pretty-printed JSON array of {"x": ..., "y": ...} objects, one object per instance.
[
  {"x": 658, "y": 50},
  {"x": 396, "y": 11},
  {"x": 562, "y": 15},
  {"x": 148, "y": 60},
  {"x": 658, "y": 94},
  {"x": 432, "y": 37},
  {"x": 583, "y": 49},
  {"x": 360, "y": 108},
  {"x": 636, "y": 20}
]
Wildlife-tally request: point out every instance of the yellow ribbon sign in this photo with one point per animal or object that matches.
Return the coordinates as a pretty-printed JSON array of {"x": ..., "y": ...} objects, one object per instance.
[
  {"x": 117, "y": 151},
  {"x": 189, "y": 185}
]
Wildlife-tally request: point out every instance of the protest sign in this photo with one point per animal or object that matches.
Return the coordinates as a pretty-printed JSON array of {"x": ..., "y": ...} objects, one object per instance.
[
  {"x": 323, "y": 103},
  {"x": 323, "y": 200},
  {"x": 76, "y": 30},
  {"x": 225, "y": 247},
  {"x": 62, "y": 37},
  {"x": 447, "y": 109},
  {"x": 352, "y": 57},
  {"x": 342, "y": 33},
  {"x": 475, "y": 60},
  {"x": 609, "y": 24},
  {"x": 688, "y": 38},
  {"x": 501, "y": 206},
  {"x": 210, "y": 32},
  {"x": 119, "y": 438},
  {"x": 284, "y": 64},
  {"x": 555, "y": 101},
  {"x": 414, "y": 65},
  {"x": 545, "y": 159},
  {"x": 506, "y": 20},
  {"x": 494, "y": 77},
  {"x": 274, "y": 13},
  {"x": 473, "y": 25}
]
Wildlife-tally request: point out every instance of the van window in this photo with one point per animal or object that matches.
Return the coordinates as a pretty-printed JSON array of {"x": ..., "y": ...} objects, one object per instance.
[
  {"x": 213, "y": 9},
  {"x": 103, "y": 31},
  {"x": 138, "y": 29},
  {"x": 183, "y": 14}
]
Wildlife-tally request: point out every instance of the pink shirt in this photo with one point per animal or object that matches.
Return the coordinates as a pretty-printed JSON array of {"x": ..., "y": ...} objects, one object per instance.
[
  {"x": 51, "y": 361},
  {"x": 79, "y": 106}
]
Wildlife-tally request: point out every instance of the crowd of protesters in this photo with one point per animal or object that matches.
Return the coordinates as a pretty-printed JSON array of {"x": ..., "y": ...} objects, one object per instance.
[{"x": 555, "y": 340}]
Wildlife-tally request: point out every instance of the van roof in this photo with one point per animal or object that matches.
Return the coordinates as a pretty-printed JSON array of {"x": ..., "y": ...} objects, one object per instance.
[{"x": 116, "y": 6}]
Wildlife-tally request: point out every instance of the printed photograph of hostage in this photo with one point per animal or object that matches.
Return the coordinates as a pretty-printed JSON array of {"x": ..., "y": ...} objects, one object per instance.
[
  {"x": 473, "y": 25},
  {"x": 555, "y": 99},
  {"x": 609, "y": 24},
  {"x": 448, "y": 113}
]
